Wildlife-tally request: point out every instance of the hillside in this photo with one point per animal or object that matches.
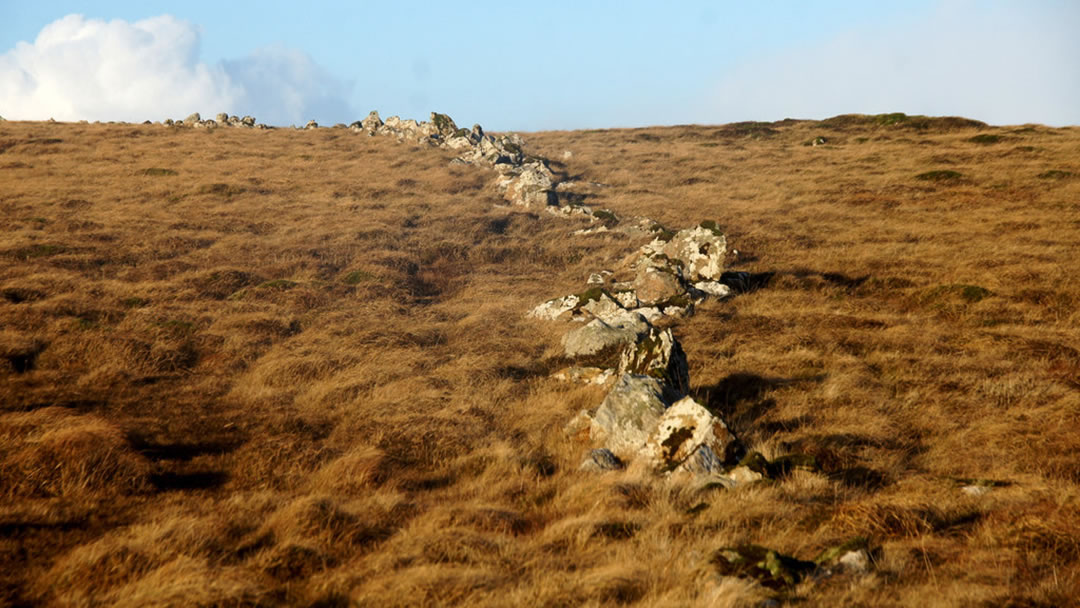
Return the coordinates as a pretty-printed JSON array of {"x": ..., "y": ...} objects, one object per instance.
[{"x": 295, "y": 367}]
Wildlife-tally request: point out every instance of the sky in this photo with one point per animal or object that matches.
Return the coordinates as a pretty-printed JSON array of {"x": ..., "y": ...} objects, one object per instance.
[{"x": 539, "y": 66}]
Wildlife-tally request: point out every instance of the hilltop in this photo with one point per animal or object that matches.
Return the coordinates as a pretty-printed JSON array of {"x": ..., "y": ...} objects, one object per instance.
[{"x": 297, "y": 367}]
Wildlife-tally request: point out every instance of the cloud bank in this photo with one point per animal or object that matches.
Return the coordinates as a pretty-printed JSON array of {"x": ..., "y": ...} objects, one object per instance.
[
  {"x": 1003, "y": 64},
  {"x": 79, "y": 68}
]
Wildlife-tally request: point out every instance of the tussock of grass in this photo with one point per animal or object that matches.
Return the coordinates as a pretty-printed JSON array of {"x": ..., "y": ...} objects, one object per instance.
[{"x": 260, "y": 387}]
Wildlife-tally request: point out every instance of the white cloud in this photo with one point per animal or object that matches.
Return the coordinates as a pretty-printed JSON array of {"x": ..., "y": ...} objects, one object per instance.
[
  {"x": 81, "y": 68},
  {"x": 1004, "y": 64}
]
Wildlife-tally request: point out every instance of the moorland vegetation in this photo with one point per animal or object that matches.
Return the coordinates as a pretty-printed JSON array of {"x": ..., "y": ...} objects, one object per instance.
[{"x": 294, "y": 367}]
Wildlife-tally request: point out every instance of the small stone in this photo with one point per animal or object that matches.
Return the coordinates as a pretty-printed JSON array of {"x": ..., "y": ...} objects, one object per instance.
[
  {"x": 586, "y": 375},
  {"x": 311, "y": 124},
  {"x": 975, "y": 490},
  {"x": 599, "y": 278},
  {"x": 600, "y": 460},
  {"x": 713, "y": 288},
  {"x": 554, "y": 308},
  {"x": 856, "y": 562}
]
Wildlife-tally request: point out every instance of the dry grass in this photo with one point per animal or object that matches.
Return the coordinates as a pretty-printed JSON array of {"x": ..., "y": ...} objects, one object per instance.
[{"x": 292, "y": 368}]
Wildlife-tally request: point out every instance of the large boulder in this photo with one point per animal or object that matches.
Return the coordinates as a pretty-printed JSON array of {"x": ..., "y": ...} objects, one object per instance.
[
  {"x": 372, "y": 122},
  {"x": 628, "y": 414},
  {"x": 532, "y": 187},
  {"x": 599, "y": 335},
  {"x": 659, "y": 355},
  {"x": 701, "y": 249},
  {"x": 682, "y": 430},
  {"x": 444, "y": 125},
  {"x": 193, "y": 119}
]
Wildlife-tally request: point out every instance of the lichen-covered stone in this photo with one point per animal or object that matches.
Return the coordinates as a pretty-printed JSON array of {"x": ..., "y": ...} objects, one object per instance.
[
  {"x": 657, "y": 354},
  {"x": 532, "y": 187},
  {"x": 444, "y": 125},
  {"x": 628, "y": 414},
  {"x": 713, "y": 288},
  {"x": 683, "y": 428},
  {"x": 554, "y": 308},
  {"x": 598, "y": 335},
  {"x": 702, "y": 251}
]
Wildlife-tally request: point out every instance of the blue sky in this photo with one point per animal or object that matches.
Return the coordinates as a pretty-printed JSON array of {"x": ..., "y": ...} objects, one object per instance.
[{"x": 531, "y": 66}]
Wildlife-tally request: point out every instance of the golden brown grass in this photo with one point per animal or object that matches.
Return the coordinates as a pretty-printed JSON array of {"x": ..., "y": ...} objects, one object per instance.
[{"x": 292, "y": 368}]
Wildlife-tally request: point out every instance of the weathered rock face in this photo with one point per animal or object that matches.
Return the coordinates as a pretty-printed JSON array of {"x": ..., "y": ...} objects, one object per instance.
[
  {"x": 532, "y": 187},
  {"x": 444, "y": 125},
  {"x": 702, "y": 250},
  {"x": 652, "y": 285},
  {"x": 598, "y": 461},
  {"x": 628, "y": 414},
  {"x": 658, "y": 355},
  {"x": 599, "y": 335},
  {"x": 682, "y": 430},
  {"x": 371, "y": 123}
]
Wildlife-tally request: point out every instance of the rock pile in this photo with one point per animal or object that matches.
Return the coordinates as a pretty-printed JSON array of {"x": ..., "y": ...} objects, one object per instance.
[
  {"x": 524, "y": 180},
  {"x": 647, "y": 415},
  {"x": 222, "y": 120}
]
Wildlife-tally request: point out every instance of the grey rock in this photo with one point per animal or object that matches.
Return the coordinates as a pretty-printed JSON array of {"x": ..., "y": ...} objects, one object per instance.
[
  {"x": 702, "y": 250},
  {"x": 223, "y": 118},
  {"x": 311, "y": 124},
  {"x": 628, "y": 414},
  {"x": 599, "y": 335},
  {"x": 600, "y": 460},
  {"x": 532, "y": 187},
  {"x": 192, "y": 119}
]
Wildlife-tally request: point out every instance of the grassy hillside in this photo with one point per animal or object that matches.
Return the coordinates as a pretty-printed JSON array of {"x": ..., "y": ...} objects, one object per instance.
[{"x": 285, "y": 367}]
